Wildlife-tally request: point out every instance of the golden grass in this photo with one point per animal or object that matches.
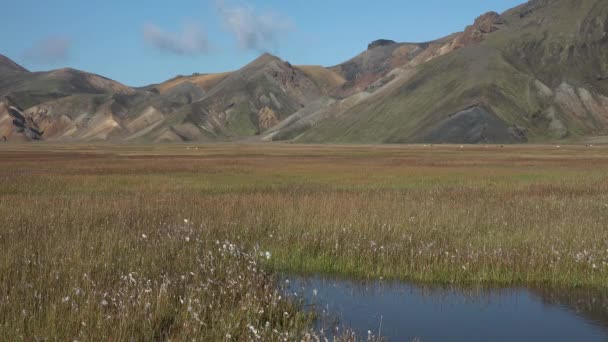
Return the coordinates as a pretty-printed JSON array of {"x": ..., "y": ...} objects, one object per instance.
[{"x": 73, "y": 218}]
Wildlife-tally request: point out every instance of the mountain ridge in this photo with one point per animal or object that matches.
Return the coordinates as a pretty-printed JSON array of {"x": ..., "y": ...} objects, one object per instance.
[
  {"x": 537, "y": 72},
  {"x": 7, "y": 66}
]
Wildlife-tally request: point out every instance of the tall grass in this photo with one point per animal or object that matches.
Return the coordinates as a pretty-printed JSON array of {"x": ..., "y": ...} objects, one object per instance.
[{"x": 93, "y": 242}]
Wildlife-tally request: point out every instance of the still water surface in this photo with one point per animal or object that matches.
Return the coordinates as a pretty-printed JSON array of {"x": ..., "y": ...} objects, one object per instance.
[{"x": 406, "y": 312}]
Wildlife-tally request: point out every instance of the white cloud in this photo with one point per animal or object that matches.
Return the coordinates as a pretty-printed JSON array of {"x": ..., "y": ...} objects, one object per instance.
[
  {"x": 49, "y": 50},
  {"x": 253, "y": 30},
  {"x": 192, "y": 40}
]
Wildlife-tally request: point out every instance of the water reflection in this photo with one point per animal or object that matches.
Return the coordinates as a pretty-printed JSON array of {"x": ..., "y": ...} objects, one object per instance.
[
  {"x": 406, "y": 312},
  {"x": 589, "y": 304}
]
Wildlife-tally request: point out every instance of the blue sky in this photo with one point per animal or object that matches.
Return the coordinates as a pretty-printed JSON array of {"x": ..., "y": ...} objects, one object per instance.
[{"x": 144, "y": 42}]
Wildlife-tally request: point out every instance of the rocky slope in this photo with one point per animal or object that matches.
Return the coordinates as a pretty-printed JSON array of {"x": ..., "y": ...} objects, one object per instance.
[
  {"x": 15, "y": 125},
  {"x": 534, "y": 73},
  {"x": 537, "y": 72},
  {"x": 70, "y": 105},
  {"x": 7, "y": 66},
  {"x": 383, "y": 55},
  {"x": 246, "y": 102}
]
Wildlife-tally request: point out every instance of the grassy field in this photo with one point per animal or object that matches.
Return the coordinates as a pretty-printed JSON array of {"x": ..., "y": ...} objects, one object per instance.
[{"x": 177, "y": 241}]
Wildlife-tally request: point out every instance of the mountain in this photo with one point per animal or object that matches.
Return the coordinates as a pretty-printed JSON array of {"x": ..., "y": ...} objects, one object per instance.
[
  {"x": 7, "y": 66},
  {"x": 187, "y": 89},
  {"x": 70, "y": 105},
  {"x": 384, "y": 55},
  {"x": 381, "y": 57},
  {"x": 536, "y": 73},
  {"x": 253, "y": 99},
  {"x": 73, "y": 105},
  {"x": 31, "y": 88}
]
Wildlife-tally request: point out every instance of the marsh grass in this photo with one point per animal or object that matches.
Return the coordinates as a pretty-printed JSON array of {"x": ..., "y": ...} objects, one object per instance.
[{"x": 93, "y": 242}]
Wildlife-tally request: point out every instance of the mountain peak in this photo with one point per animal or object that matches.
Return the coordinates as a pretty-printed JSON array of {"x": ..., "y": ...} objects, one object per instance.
[
  {"x": 266, "y": 57},
  {"x": 262, "y": 61},
  {"x": 7, "y": 65}
]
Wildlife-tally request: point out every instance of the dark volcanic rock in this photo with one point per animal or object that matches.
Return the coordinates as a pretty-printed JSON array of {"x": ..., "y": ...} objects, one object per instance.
[
  {"x": 380, "y": 42},
  {"x": 16, "y": 114},
  {"x": 23, "y": 125}
]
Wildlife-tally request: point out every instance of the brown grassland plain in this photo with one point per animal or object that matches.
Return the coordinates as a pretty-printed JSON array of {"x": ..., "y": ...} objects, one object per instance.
[{"x": 184, "y": 241}]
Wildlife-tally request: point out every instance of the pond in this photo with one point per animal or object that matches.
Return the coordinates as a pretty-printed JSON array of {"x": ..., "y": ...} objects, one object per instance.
[{"x": 407, "y": 312}]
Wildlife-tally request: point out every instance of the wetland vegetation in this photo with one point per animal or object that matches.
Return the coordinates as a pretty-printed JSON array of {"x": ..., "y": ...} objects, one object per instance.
[{"x": 184, "y": 241}]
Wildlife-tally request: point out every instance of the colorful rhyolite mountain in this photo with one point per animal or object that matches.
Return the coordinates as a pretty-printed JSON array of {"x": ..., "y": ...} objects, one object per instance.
[{"x": 535, "y": 73}]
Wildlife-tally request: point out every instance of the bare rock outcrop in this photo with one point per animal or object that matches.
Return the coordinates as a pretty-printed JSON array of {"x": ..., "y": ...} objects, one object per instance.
[
  {"x": 484, "y": 25},
  {"x": 267, "y": 118},
  {"x": 15, "y": 124},
  {"x": 380, "y": 42}
]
